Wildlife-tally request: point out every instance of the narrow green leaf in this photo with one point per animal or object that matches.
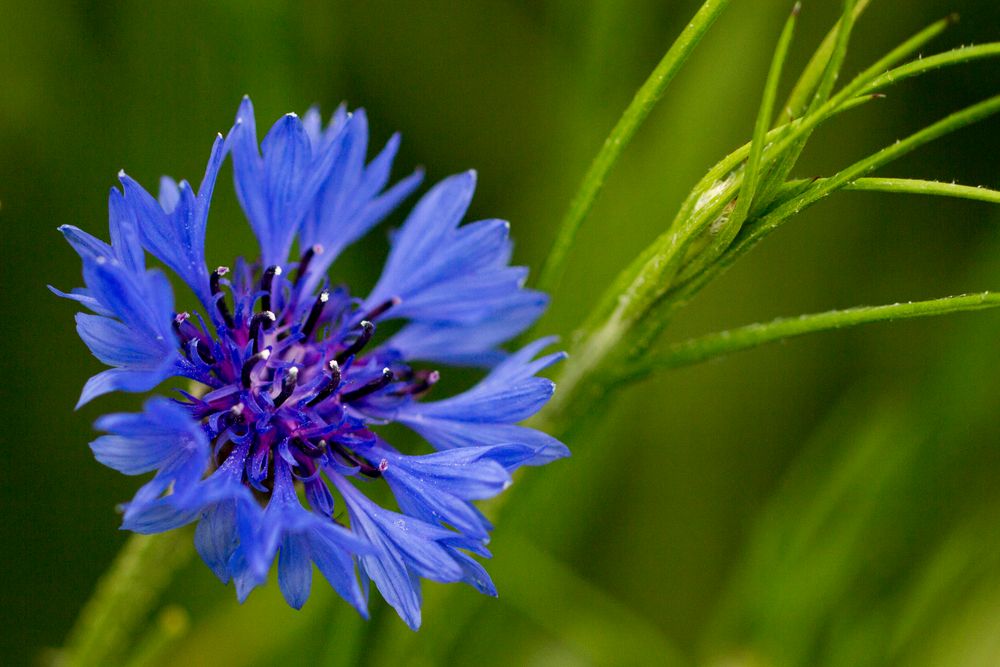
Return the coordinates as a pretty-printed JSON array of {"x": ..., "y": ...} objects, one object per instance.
[
  {"x": 645, "y": 99},
  {"x": 832, "y": 71},
  {"x": 764, "y": 115},
  {"x": 813, "y": 72},
  {"x": 951, "y": 123},
  {"x": 725, "y": 226},
  {"x": 919, "y": 187},
  {"x": 753, "y": 234},
  {"x": 722, "y": 343},
  {"x": 959, "y": 56},
  {"x": 787, "y": 151},
  {"x": 784, "y": 160}
]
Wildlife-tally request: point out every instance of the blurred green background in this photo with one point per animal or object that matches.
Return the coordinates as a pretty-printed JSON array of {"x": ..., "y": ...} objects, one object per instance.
[{"x": 831, "y": 500}]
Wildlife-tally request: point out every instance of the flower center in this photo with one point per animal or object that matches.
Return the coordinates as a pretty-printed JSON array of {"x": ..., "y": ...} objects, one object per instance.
[{"x": 288, "y": 371}]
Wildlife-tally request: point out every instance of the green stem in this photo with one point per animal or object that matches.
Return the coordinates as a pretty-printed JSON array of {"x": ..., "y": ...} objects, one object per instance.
[
  {"x": 171, "y": 625},
  {"x": 722, "y": 343},
  {"x": 123, "y": 597},
  {"x": 645, "y": 99}
]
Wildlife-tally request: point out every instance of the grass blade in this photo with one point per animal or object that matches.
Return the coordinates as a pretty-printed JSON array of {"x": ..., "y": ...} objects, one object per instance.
[
  {"x": 764, "y": 115},
  {"x": 922, "y": 66},
  {"x": 919, "y": 187},
  {"x": 722, "y": 343},
  {"x": 813, "y": 72},
  {"x": 645, "y": 99}
]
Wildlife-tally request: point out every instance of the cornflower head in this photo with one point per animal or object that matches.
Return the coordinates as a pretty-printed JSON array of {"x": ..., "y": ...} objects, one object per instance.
[{"x": 294, "y": 379}]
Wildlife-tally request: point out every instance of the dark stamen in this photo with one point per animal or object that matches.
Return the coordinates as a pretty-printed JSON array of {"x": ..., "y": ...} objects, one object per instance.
[
  {"x": 332, "y": 384},
  {"x": 382, "y": 307},
  {"x": 232, "y": 416},
  {"x": 365, "y": 468},
  {"x": 186, "y": 332},
  {"x": 266, "y": 281},
  {"x": 423, "y": 381},
  {"x": 287, "y": 386},
  {"x": 304, "y": 262},
  {"x": 264, "y": 319},
  {"x": 368, "y": 470},
  {"x": 249, "y": 365},
  {"x": 367, "y": 330},
  {"x": 369, "y": 388},
  {"x": 204, "y": 352},
  {"x": 220, "y": 300},
  {"x": 313, "y": 451},
  {"x": 315, "y": 312}
]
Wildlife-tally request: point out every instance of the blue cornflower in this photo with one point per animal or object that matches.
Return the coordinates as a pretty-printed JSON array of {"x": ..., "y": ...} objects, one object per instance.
[{"x": 272, "y": 456}]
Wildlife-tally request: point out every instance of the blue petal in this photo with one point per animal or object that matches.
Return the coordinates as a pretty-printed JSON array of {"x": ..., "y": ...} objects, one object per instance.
[
  {"x": 419, "y": 252},
  {"x": 142, "y": 442},
  {"x": 216, "y": 538},
  {"x": 465, "y": 345},
  {"x": 302, "y": 535},
  {"x": 164, "y": 503},
  {"x": 486, "y": 414},
  {"x": 230, "y": 519},
  {"x": 494, "y": 404},
  {"x": 336, "y": 564},
  {"x": 468, "y": 299},
  {"x": 141, "y": 345},
  {"x": 448, "y": 433},
  {"x": 416, "y": 541},
  {"x": 475, "y": 574},
  {"x": 430, "y": 503},
  {"x": 245, "y": 577},
  {"x": 453, "y": 281},
  {"x": 88, "y": 247},
  {"x": 122, "y": 379},
  {"x": 348, "y": 203},
  {"x": 82, "y": 296},
  {"x": 124, "y": 233},
  {"x": 173, "y": 228},
  {"x": 277, "y": 185},
  {"x": 397, "y": 585},
  {"x": 471, "y": 473},
  {"x": 116, "y": 345},
  {"x": 170, "y": 194},
  {"x": 294, "y": 570},
  {"x": 143, "y": 302}
]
